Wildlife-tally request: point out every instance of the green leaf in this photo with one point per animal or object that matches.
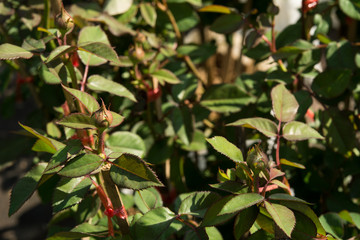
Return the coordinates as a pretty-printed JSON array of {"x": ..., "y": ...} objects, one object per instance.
[
  {"x": 131, "y": 172},
  {"x": 331, "y": 83},
  {"x": 33, "y": 45},
  {"x": 99, "y": 83},
  {"x": 69, "y": 191},
  {"x": 86, "y": 99},
  {"x": 197, "y": 3},
  {"x": 284, "y": 103},
  {"x": 283, "y": 217},
  {"x": 25, "y": 187},
  {"x": 73, "y": 147},
  {"x": 225, "y": 98},
  {"x": 78, "y": 121},
  {"x": 332, "y": 224},
  {"x": 283, "y": 161},
  {"x": 81, "y": 165},
  {"x": 148, "y": 12},
  {"x": 153, "y": 224},
  {"x": 92, "y": 34},
  {"x": 338, "y": 131},
  {"x": 126, "y": 142},
  {"x": 304, "y": 229},
  {"x": 117, "y": 119},
  {"x": 228, "y": 23},
  {"x": 244, "y": 220},
  {"x": 286, "y": 197},
  {"x": 216, "y": 8},
  {"x": 340, "y": 54},
  {"x": 147, "y": 199},
  {"x": 263, "y": 125},
  {"x": 52, "y": 143},
  {"x": 225, "y": 147},
  {"x": 230, "y": 186},
  {"x": 41, "y": 146},
  {"x": 49, "y": 76},
  {"x": 9, "y": 52},
  {"x": 351, "y": 217},
  {"x": 115, "y": 7},
  {"x": 53, "y": 130},
  {"x": 101, "y": 50},
  {"x": 183, "y": 124},
  {"x": 197, "y": 203},
  {"x": 240, "y": 202},
  {"x": 164, "y": 75},
  {"x": 228, "y": 206},
  {"x": 59, "y": 51},
  {"x": 306, "y": 210},
  {"x": 296, "y": 131},
  {"x": 212, "y": 216},
  {"x": 81, "y": 231},
  {"x": 350, "y": 8}
]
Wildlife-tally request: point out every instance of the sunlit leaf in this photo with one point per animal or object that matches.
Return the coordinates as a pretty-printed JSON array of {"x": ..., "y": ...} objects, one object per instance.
[
  {"x": 283, "y": 161},
  {"x": 332, "y": 224},
  {"x": 99, "y": 83},
  {"x": 263, "y": 125},
  {"x": 284, "y": 103},
  {"x": 78, "y": 121},
  {"x": 101, "y": 50},
  {"x": 10, "y": 51},
  {"x": 148, "y": 12},
  {"x": 70, "y": 191},
  {"x": 81, "y": 165},
  {"x": 126, "y": 142},
  {"x": 350, "y": 8},
  {"x": 225, "y": 147},
  {"x": 153, "y": 224},
  {"x": 216, "y": 8},
  {"x": 295, "y": 131},
  {"x": 59, "y": 51},
  {"x": 197, "y": 203},
  {"x": 131, "y": 172},
  {"x": 283, "y": 217},
  {"x": 86, "y": 99},
  {"x": 164, "y": 75}
]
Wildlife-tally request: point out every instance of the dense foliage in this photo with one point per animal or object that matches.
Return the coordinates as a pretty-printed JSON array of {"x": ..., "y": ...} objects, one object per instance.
[{"x": 143, "y": 131}]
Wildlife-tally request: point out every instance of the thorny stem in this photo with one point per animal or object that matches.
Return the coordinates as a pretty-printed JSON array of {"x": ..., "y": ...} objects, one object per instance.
[
  {"x": 86, "y": 71},
  {"x": 278, "y": 145},
  {"x": 112, "y": 191}
]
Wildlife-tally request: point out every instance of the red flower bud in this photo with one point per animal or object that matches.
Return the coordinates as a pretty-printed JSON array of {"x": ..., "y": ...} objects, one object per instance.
[
  {"x": 309, "y": 4},
  {"x": 75, "y": 59}
]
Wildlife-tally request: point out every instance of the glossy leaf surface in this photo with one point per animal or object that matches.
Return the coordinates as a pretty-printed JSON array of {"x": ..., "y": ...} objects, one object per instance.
[
  {"x": 263, "y": 125},
  {"x": 225, "y": 147},
  {"x": 131, "y": 172},
  {"x": 10, "y": 51},
  {"x": 283, "y": 217},
  {"x": 81, "y": 165},
  {"x": 284, "y": 103},
  {"x": 69, "y": 192},
  {"x": 99, "y": 83},
  {"x": 296, "y": 131}
]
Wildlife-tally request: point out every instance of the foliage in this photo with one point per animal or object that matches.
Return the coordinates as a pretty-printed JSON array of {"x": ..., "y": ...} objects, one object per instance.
[{"x": 129, "y": 102}]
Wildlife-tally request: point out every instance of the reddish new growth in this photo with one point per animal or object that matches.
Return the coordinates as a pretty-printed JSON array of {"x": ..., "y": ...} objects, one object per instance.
[
  {"x": 75, "y": 59},
  {"x": 309, "y": 4},
  {"x": 109, "y": 209}
]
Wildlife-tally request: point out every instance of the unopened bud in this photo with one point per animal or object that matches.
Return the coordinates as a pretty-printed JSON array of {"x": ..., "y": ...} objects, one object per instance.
[{"x": 103, "y": 117}]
